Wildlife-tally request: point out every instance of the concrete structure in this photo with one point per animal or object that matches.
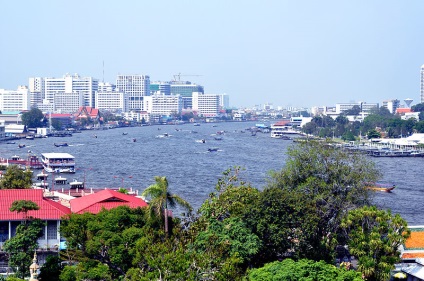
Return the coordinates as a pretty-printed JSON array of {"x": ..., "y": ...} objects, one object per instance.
[
  {"x": 391, "y": 105},
  {"x": 207, "y": 105},
  {"x": 111, "y": 101},
  {"x": 137, "y": 116},
  {"x": 136, "y": 87},
  {"x": 67, "y": 102},
  {"x": 160, "y": 87},
  {"x": 160, "y": 104},
  {"x": 46, "y": 88},
  {"x": 224, "y": 101},
  {"x": 15, "y": 100},
  {"x": 185, "y": 89},
  {"x": 365, "y": 107}
]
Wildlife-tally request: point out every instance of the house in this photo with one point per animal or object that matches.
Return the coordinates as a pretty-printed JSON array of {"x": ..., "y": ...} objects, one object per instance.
[
  {"x": 412, "y": 254},
  {"x": 85, "y": 112},
  {"x": 50, "y": 212},
  {"x": 107, "y": 199}
]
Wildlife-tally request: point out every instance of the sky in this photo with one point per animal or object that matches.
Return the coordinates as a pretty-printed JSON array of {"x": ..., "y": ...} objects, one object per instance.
[{"x": 299, "y": 53}]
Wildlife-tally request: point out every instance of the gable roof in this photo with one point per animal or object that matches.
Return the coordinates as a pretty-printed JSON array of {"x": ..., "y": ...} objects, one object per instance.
[
  {"x": 49, "y": 209},
  {"x": 87, "y": 111},
  {"x": 107, "y": 199}
]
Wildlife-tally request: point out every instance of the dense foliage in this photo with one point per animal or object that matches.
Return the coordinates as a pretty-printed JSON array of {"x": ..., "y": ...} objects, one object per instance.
[
  {"x": 16, "y": 178},
  {"x": 289, "y": 230},
  {"x": 33, "y": 118}
]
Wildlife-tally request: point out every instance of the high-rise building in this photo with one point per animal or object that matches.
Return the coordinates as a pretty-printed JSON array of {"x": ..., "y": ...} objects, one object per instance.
[
  {"x": 185, "y": 89},
  {"x": 14, "y": 100},
  {"x": 207, "y": 105},
  {"x": 160, "y": 104},
  {"x": 391, "y": 105},
  {"x": 136, "y": 87},
  {"x": 422, "y": 83},
  {"x": 46, "y": 88},
  {"x": 159, "y": 87},
  {"x": 224, "y": 101}
]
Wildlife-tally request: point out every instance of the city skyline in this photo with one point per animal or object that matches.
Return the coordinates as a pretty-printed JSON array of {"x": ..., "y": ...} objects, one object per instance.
[{"x": 286, "y": 53}]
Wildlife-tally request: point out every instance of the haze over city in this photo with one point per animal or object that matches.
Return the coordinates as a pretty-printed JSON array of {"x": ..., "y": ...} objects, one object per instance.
[{"x": 288, "y": 53}]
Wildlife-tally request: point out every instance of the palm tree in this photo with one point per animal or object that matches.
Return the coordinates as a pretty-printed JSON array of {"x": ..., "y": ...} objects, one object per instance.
[{"x": 160, "y": 198}]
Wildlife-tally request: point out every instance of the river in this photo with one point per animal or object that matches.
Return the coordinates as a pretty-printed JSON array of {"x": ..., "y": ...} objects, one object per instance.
[{"x": 109, "y": 158}]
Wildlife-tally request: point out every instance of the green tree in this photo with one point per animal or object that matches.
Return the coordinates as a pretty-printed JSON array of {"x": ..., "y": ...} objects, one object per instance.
[
  {"x": 21, "y": 247},
  {"x": 333, "y": 179},
  {"x": 355, "y": 110},
  {"x": 16, "y": 178},
  {"x": 419, "y": 127},
  {"x": 56, "y": 124},
  {"x": 374, "y": 236},
  {"x": 302, "y": 270},
  {"x": 373, "y": 134},
  {"x": 419, "y": 107},
  {"x": 51, "y": 269},
  {"x": 160, "y": 198},
  {"x": 33, "y": 118}
]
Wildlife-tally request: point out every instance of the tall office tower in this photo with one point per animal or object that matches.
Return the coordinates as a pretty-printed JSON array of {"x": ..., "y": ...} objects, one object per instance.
[
  {"x": 186, "y": 89},
  {"x": 422, "y": 83},
  {"x": 136, "y": 87},
  {"x": 224, "y": 101},
  {"x": 160, "y": 104},
  {"x": 51, "y": 87},
  {"x": 106, "y": 87},
  {"x": 14, "y": 100},
  {"x": 207, "y": 105},
  {"x": 36, "y": 90},
  {"x": 158, "y": 87}
]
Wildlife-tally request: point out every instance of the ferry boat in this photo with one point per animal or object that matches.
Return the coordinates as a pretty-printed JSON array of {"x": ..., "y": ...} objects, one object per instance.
[
  {"x": 58, "y": 162},
  {"x": 281, "y": 128},
  {"x": 76, "y": 185},
  {"x": 32, "y": 162}
]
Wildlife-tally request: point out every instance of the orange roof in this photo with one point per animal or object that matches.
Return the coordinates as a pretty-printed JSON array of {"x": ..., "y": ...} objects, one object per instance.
[
  {"x": 403, "y": 110},
  {"x": 415, "y": 241},
  {"x": 85, "y": 111},
  {"x": 413, "y": 255},
  {"x": 49, "y": 209},
  {"x": 107, "y": 199},
  {"x": 282, "y": 123}
]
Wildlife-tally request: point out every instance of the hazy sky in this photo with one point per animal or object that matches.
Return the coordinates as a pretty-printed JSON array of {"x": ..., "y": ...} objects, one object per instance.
[{"x": 288, "y": 53}]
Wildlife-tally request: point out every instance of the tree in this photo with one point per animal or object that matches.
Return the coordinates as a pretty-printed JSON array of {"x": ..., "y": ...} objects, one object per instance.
[
  {"x": 161, "y": 198},
  {"x": 56, "y": 124},
  {"x": 51, "y": 269},
  {"x": 373, "y": 134},
  {"x": 419, "y": 107},
  {"x": 302, "y": 270},
  {"x": 20, "y": 248},
  {"x": 16, "y": 178},
  {"x": 33, "y": 118},
  {"x": 333, "y": 179},
  {"x": 355, "y": 110},
  {"x": 374, "y": 236}
]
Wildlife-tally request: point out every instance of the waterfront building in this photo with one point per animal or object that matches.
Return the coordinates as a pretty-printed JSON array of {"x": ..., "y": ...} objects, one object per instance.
[
  {"x": 207, "y": 105},
  {"x": 391, "y": 105},
  {"x": 106, "y": 87},
  {"x": 112, "y": 101},
  {"x": 67, "y": 102},
  {"x": 224, "y": 101},
  {"x": 186, "y": 89},
  {"x": 14, "y": 100},
  {"x": 137, "y": 116},
  {"x": 365, "y": 107},
  {"x": 161, "y": 104},
  {"x": 136, "y": 87},
  {"x": 48, "y": 87}
]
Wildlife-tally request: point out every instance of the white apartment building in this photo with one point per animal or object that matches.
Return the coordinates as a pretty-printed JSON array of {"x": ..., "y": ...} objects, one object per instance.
[
  {"x": 111, "y": 101},
  {"x": 136, "y": 87},
  {"x": 391, "y": 105},
  {"x": 160, "y": 104},
  {"x": 224, "y": 101},
  {"x": 207, "y": 105},
  {"x": 365, "y": 107},
  {"x": 15, "y": 100},
  {"x": 137, "y": 116},
  {"x": 47, "y": 87},
  {"x": 106, "y": 87},
  {"x": 67, "y": 102}
]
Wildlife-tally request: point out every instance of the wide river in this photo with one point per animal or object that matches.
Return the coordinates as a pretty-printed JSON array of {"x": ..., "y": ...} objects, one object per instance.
[{"x": 109, "y": 158}]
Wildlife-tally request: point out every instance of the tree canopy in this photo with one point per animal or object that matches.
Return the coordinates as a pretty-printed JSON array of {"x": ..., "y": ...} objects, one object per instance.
[
  {"x": 33, "y": 118},
  {"x": 16, "y": 178}
]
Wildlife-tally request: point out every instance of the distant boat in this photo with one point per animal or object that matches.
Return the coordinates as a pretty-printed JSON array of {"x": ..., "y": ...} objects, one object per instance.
[
  {"x": 30, "y": 137},
  {"x": 21, "y": 145},
  {"x": 124, "y": 133},
  {"x": 213, "y": 149},
  {"x": 60, "y": 144},
  {"x": 196, "y": 124},
  {"x": 10, "y": 142},
  {"x": 218, "y": 138},
  {"x": 381, "y": 187},
  {"x": 134, "y": 140}
]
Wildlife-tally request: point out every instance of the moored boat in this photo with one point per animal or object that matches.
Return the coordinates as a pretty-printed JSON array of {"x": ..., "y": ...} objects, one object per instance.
[
  {"x": 76, "y": 185},
  {"x": 60, "y": 180},
  {"x": 381, "y": 187},
  {"x": 213, "y": 149},
  {"x": 58, "y": 162},
  {"x": 58, "y": 144}
]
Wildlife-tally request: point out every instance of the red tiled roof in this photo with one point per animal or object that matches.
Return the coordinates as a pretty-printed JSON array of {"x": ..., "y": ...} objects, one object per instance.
[
  {"x": 403, "y": 110},
  {"x": 49, "y": 209},
  {"x": 87, "y": 110},
  {"x": 59, "y": 115},
  {"x": 107, "y": 199},
  {"x": 282, "y": 123}
]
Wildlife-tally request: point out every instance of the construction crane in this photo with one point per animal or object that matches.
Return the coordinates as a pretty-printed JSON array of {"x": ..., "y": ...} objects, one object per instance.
[{"x": 178, "y": 76}]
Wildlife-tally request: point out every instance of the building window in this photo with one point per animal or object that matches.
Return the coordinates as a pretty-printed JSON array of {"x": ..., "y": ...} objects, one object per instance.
[{"x": 51, "y": 230}]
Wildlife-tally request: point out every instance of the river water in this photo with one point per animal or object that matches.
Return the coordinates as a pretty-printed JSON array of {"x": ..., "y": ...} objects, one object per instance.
[{"x": 109, "y": 158}]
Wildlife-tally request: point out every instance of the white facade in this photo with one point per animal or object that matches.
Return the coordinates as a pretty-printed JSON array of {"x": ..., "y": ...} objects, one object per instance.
[
  {"x": 136, "y": 87},
  {"x": 391, "y": 105},
  {"x": 224, "y": 101},
  {"x": 106, "y": 87},
  {"x": 67, "y": 102},
  {"x": 47, "y": 87},
  {"x": 137, "y": 116},
  {"x": 206, "y": 105},
  {"x": 111, "y": 101},
  {"x": 15, "y": 100},
  {"x": 160, "y": 104},
  {"x": 366, "y": 107}
]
